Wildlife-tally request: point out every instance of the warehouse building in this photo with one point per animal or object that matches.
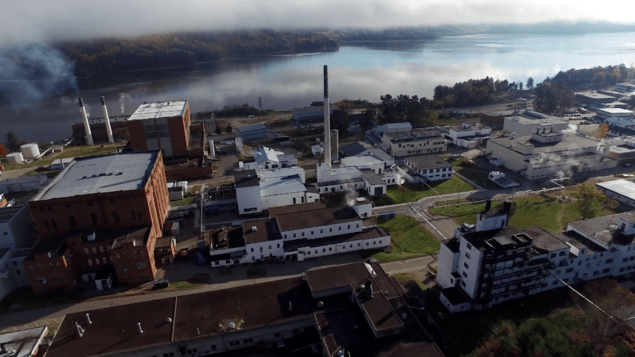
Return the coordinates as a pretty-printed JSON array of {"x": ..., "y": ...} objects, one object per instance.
[
  {"x": 99, "y": 212},
  {"x": 161, "y": 126}
]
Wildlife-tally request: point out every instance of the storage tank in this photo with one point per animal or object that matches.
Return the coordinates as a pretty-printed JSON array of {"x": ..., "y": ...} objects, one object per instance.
[
  {"x": 30, "y": 151},
  {"x": 15, "y": 158}
]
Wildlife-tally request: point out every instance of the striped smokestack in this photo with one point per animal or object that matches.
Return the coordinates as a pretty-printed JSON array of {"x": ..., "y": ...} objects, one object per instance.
[
  {"x": 327, "y": 119},
  {"x": 89, "y": 134},
  {"x": 108, "y": 128}
]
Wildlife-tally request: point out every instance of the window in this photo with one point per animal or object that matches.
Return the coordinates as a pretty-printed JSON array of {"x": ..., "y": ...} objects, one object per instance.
[
  {"x": 132, "y": 215},
  {"x": 606, "y": 270},
  {"x": 89, "y": 203},
  {"x": 469, "y": 246},
  {"x": 569, "y": 270},
  {"x": 463, "y": 284},
  {"x": 46, "y": 225},
  {"x": 115, "y": 216},
  {"x": 90, "y": 262},
  {"x": 111, "y": 201},
  {"x": 93, "y": 218},
  {"x": 624, "y": 260},
  {"x": 86, "y": 251},
  {"x": 467, "y": 255},
  {"x": 465, "y": 274},
  {"x": 53, "y": 223},
  {"x": 41, "y": 280},
  {"x": 104, "y": 260},
  {"x": 349, "y": 226},
  {"x": 94, "y": 250},
  {"x": 555, "y": 283},
  {"x": 466, "y": 266},
  {"x": 67, "y": 206},
  {"x": 101, "y": 248},
  {"x": 608, "y": 261}
]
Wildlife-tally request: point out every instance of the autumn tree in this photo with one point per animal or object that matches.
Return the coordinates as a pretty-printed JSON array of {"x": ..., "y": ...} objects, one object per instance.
[
  {"x": 3, "y": 150},
  {"x": 586, "y": 201},
  {"x": 228, "y": 128}
]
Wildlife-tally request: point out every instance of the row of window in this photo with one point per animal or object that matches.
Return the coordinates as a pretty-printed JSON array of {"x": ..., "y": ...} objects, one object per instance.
[
  {"x": 72, "y": 221},
  {"x": 321, "y": 231}
]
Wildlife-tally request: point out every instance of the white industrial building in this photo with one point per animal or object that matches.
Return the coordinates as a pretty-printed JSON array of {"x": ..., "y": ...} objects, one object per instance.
[
  {"x": 267, "y": 158},
  {"x": 616, "y": 113},
  {"x": 258, "y": 191},
  {"x": 625, "y": 87},
  {"x": 489, "y": 263},
  {"x": 23, "y": 183},
  {"x": 414, "y": 142},
  {"x": 621, "y": 190},
  {"x": 547, "y": 154},
  {"x": 529, "y": 121},
  {"x": 300, "y": 232},
  {"x": 428, "y": 168},
  {"x": 468, "y": 135},
  {"x": 360, "y": 148}
]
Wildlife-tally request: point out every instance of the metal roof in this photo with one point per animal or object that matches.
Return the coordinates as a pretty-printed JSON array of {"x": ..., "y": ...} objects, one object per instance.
[
  {"x": 281, "y": 187},
  {"x": 621, "y": 187},
  {"x": 362, "y": 161},
  {"x": 159, "y": 110},
  {"x": 248, "y": 128},
  {"x": 101, "y": 174}
]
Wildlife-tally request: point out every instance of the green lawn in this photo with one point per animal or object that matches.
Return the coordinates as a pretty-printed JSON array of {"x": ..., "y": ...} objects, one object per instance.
[
  {"x": 409, "y": 240},
  {"x": 184, "y": 201},
  {"x": 70, "y": 151},
  {"x": 413, "y": 192},
  {"x": 544, "y": 211}
]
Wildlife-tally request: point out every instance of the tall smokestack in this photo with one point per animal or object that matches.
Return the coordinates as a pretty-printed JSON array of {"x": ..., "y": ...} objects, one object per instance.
[
  {"x": 327, "y": 119},
  {"x": 89, "y": 134},
  {"x": 108, "y": 128}
]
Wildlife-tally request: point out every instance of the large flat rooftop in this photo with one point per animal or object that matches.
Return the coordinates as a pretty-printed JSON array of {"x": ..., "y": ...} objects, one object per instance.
[
  {"x": 159, "y": 110},
  {"x": 621, "y": 187},
  {"x": 315, "y": 218},
  {"x": 606, "y": 230},
  {"x": 101, "y": 174}
]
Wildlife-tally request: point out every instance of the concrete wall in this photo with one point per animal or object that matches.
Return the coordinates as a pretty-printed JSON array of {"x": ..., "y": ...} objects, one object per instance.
[{"x": 249, "y": 200}]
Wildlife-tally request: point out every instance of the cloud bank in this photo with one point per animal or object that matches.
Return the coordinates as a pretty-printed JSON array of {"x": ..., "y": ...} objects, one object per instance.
[{"x": 45, "y": 20}]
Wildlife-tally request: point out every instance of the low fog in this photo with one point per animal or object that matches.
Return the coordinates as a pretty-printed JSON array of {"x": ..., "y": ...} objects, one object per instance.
[{"x": 44, "y": 20}]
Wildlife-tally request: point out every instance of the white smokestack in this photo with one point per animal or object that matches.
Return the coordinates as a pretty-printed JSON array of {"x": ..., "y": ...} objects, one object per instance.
[
  {"x": 89, "y": 134},
  {"x": 327, "y": 120},
  {"x": 108, "y": 128}
]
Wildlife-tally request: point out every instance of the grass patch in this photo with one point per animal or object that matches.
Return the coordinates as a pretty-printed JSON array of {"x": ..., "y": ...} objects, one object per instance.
[
  {"x": 409, "y": 240},
  {"x": 410, "y": 277},
  {"x": 545, "y": 211},
  {"x": 185, "y": 284},
  {"x": 69, "y": 151},
  {"x": 184, "y": 202},
  {"x": 333, "y": 200},
  {"x": 413, "y": 192}
]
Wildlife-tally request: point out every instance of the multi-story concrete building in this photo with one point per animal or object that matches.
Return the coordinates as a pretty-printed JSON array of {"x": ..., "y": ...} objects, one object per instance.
[
  {"x": 468, "y": 135},
  {"x": 548, "y": 154},
  {"x": 100, "y": 212},
  {"x": 300, "y": 232},
  {"x": 429, "y": 167},
  {"x": 161, "y": 126},
  {"x": 417, "y": 141},
  {"x": 489, "y": 262}
]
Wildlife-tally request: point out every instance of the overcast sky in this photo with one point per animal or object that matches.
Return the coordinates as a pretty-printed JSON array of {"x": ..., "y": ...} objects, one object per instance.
[{"x": 36, "y": 20}]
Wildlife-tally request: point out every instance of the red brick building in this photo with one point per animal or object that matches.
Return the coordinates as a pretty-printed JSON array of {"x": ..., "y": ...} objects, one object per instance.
[
  {"x": 161, "y": 126},
  {"x": 100, "y": 208}
]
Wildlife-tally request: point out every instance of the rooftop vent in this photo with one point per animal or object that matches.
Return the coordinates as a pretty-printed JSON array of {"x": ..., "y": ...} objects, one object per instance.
[{"x": 254, "y": 228}]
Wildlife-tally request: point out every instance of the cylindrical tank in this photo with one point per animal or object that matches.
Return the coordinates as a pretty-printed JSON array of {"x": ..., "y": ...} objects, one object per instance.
[
  {"x": 30, "y": 151},
  {"x": 15, "y": 158}
]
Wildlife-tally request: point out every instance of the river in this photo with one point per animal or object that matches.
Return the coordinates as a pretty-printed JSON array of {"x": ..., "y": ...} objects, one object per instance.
[{"x": 356, "y": 71}]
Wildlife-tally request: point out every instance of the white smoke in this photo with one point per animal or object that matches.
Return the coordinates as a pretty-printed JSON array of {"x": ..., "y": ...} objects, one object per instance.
[
  {"x": 350, "y": 197},
  {"x": 31, "y": 73},
  {"x": 122, "y": 99},
  {"x": 572, "y": 128}
]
